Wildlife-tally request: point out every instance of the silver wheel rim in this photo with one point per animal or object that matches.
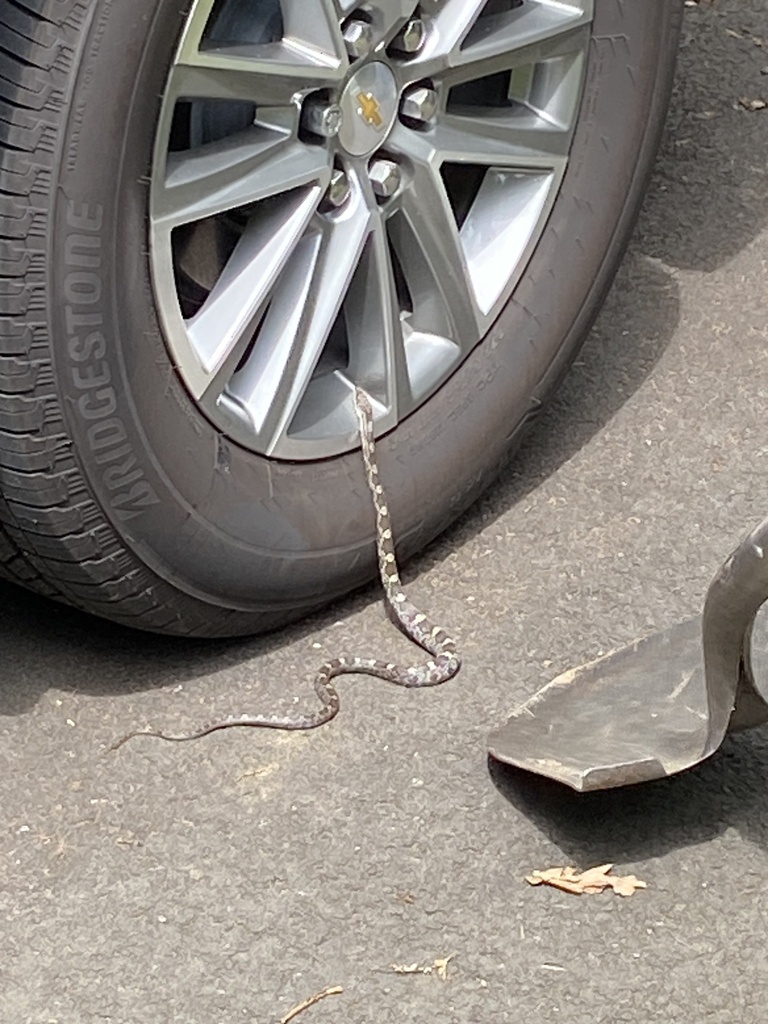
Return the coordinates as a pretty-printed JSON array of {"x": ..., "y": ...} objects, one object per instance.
[{"x": 346, "y": 193}]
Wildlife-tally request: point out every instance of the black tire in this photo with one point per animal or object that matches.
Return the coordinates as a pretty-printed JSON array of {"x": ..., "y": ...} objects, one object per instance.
[{"x": 118, "y": 497}]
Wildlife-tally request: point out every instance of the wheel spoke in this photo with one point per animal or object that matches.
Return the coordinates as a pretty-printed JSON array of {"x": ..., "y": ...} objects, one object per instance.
[
  {"x": 488, "y": 138},
  {"x": 221, "y": 331},
  {"x": 242, "y": 169},
  {"x": 278, "y": 79},
  {"x": 433, "y": 258},
  {"x": 303, "y": 308},
  {"x": 466, "y": 47},
  {"x": 314, "y": 29},
  {"x": 472, "y": 266},
  {"x": 309, "y": 55},
  {"x": 374, "y": 329}
]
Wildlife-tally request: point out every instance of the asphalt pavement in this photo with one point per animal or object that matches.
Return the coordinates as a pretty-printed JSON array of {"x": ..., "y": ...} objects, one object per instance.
[{"x": 228, "y": 880}]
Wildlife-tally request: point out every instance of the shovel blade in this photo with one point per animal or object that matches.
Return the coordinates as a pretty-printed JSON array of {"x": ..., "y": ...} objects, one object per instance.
[
  {"x": 658, "y": 706},
  {"x": 636, "y": 714}
]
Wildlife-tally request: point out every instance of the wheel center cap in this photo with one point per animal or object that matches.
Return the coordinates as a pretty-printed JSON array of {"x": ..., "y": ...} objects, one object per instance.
[{"x": 369, "y": 108}]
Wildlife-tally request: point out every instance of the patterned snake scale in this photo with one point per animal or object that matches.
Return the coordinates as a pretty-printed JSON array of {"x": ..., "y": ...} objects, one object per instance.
[{"x": 442, "y": 666}]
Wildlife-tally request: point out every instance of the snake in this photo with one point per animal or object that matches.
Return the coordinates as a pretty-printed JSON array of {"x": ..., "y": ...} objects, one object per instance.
[{"x": 441, "y": 666}]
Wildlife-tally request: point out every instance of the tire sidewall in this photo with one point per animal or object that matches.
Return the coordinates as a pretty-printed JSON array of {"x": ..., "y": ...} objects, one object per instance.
[{"x": 218, "y": 522}]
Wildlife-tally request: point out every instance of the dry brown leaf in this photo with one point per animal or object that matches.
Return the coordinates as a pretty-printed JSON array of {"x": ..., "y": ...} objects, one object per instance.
[
  {"x": 438, "y": 967},
  {"x": 406, "y": 897},
  {"x": 441, "y": 966},
  {"x": 410, "y": 969},
  {"x": 568, "y": 879}
]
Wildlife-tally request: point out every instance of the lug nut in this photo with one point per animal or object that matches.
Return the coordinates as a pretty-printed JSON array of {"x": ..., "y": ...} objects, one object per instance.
[
  {"x": 419, "y": 104},
  {"x": 410, "y": 39},
  {"x": 358, "y": 37},
  {"x": 385, "y": 178},
  {"x": 338, "y": 191},
  {"x": 323, "y": 119}
]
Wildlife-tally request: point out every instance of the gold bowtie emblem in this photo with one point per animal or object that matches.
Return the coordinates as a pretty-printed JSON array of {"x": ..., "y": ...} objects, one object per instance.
[{"x": 370, "y": 110}]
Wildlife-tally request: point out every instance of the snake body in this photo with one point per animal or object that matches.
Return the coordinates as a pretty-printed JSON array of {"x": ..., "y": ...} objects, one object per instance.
[{"x": 443, "y": 664}]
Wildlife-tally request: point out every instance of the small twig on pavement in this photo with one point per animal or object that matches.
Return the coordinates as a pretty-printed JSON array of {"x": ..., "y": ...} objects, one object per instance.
[{"x": 336, "y": 990}]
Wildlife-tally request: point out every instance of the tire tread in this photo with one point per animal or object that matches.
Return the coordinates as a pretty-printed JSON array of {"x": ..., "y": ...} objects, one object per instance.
[{"x": 54, "y": 539}]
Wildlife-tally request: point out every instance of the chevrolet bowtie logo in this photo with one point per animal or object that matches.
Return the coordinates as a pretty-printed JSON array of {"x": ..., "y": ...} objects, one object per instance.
[{"x": 370, "y": 110}]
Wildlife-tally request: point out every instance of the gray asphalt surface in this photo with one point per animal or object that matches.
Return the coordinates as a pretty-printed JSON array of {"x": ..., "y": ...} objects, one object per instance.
[{"x": 229, "y": 879}]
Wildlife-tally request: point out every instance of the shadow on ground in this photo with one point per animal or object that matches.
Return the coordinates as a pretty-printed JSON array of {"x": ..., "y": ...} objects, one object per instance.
[
  {"x": 730, "y": 790},
  {"x": 88, "y": 655}
]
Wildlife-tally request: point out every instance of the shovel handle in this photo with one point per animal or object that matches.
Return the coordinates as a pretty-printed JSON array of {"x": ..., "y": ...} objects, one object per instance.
[{"x": 734, "y": 598}]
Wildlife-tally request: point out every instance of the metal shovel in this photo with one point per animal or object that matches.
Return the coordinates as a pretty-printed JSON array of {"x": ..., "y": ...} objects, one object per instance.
[{"x": 658, "y": 706}]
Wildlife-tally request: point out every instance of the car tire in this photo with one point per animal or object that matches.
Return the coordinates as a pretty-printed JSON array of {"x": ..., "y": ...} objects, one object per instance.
[{"x": 119, "y": 495}]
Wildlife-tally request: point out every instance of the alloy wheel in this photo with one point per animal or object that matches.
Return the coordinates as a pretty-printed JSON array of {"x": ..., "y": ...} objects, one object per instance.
[{"x": 346, "y": 193}]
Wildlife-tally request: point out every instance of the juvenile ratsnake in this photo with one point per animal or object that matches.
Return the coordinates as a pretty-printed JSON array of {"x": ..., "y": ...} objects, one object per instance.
[{"x": 442, "y": 666}]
